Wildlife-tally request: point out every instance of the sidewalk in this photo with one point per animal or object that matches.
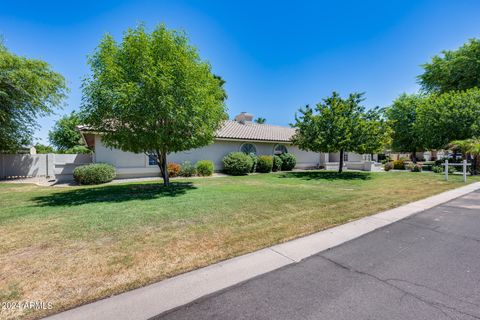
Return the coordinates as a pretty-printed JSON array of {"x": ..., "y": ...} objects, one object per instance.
[{"x": 149, "y": 301}]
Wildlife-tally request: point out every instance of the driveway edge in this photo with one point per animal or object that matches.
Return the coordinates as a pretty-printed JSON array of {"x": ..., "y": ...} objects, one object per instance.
[{"x": 151, "y": 300}]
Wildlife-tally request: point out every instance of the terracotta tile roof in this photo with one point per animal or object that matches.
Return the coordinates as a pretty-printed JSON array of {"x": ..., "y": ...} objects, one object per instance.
[
  {"x": 254, "y": 131},
  {"x": 244, "y": 131}
]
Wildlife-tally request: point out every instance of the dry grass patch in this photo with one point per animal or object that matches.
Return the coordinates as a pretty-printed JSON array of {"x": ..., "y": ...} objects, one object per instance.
[{"x": 74, "y": 245}]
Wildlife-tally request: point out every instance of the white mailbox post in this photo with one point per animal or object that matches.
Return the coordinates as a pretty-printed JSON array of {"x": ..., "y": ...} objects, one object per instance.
[{"x": 464, "y": 164}]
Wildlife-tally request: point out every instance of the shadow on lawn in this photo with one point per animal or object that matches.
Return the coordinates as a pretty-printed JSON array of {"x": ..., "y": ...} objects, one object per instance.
[
  {"x": 114, "y": 193},
  {"x": 327, "y": 175}
]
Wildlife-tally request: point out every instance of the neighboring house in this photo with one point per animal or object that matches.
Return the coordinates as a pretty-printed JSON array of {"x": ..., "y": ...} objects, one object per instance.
[{"x": 241, "y": 134}]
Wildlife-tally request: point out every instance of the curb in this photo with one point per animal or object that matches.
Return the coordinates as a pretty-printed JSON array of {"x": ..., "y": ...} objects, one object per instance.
[{"x": 157, "y": 298}]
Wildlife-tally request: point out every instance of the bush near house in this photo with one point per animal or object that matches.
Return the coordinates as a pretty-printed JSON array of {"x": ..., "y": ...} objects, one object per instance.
[
  {"x": 173, "y": 169},
  {"x": 289, "y": 161},
  {"x": 399, "y": 164},
  {"x": 437, "y": 169},
  {"x": 205, "y": 167},
  {"x": 237, "y": 163},
  {"x": 415, "y": 167},
  {"x": 187, "y": 169},
  {"x": 94, "y": 173},
  {"x": 277, "y": 163},
  {"x": 255, "y": 160},
  {"x": 388, "y": 166},
  {"x": 265, "y": 164}
]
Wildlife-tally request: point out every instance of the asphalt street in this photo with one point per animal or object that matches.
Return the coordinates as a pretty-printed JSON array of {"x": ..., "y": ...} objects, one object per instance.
[{"x": 424, "y": 267}]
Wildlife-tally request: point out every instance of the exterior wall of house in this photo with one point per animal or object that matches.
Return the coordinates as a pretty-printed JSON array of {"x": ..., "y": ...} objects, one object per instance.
[{"x": 129, "y": 164}]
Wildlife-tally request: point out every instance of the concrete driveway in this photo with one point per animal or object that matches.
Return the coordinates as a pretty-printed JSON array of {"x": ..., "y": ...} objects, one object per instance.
[{"x": 424, "y": 267}]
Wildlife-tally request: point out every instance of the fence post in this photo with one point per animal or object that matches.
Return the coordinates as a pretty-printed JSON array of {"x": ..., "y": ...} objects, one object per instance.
[
  {"x": 446, "y": 169},
  {"x": 464, "y": 170}
]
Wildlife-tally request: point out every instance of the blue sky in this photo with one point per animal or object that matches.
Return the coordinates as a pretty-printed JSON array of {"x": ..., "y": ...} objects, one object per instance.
[{"x": 275, "y": 56}]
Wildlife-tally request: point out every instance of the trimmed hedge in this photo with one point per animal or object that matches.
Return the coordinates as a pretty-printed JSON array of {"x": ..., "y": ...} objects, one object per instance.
[
  {"x": 255, "y": 160},
  {"x": 187, "y": 170},
  {"x": 237, "y": 163},
  {"x": 415, "y": 167},
  {"x": 399, "y": 164},
  {"x": 265, "y": 164},
  {"x": 438, "y": 169},
  {"x": 289, "y": 161},
  {"x": 173, "y": 169},
  {"x": 277, "y": 163},
  {"x": 94, "y": 173},
  {"x": 388, "y": 166},
  {"x": 205, "y": 167}
]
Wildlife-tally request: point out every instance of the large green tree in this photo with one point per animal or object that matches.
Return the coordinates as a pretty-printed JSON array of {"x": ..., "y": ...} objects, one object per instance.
[
  {"x": 449, "y": 116},
  {"x": 29, "y": 89},
  {"x": 339, "y": 125},
  {"x": 453, "y": 70},
  {"x": 64, "y": 134},
  {"x": 402, "y": 117},
  {"x": 152, "y": 94}
]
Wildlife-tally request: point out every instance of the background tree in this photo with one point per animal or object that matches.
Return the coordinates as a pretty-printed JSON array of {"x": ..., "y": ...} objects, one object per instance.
[
  {"x": 453, "y": 70},
  {"x": 402, "y": 118},
  {"x": 28, "y": 89},
  {"x": 41, "y": 148},
  {"x": 453, "y": 115},
  {"x": 375, "y": 132},
  {"x": 152, "y": 94},
  {"x": 336, "y": 125},
  {"x": 469, "y": 147},
  {"x": 260, "y": 120},
  {"x": 64, "y": 134}
]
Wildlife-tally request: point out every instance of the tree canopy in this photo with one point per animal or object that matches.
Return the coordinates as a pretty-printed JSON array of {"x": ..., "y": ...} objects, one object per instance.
[
  {"x": 339, "y": 125},
  {"x": 453, "y": 115},
  {"x": 152, "y": 94},
  {"x": 260, "y": 120},
  {"x": 453, "y": 70},
  {"x": 64, "y": 134},
  {"x": 29, "y": 89},
  {"x": 402, "y": 117}
]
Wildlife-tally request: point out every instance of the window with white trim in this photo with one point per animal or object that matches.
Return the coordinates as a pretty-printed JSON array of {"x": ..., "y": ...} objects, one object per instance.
[
  {"x": 367, "y": 157},
  {"x": 248, "y": 148},
  {"x": 279, "y": 149},
  {"x": 345, "y": 156}
]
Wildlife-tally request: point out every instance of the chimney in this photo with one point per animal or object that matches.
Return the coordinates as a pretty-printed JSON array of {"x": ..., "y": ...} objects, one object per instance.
[{"x": 244, "y": 117}]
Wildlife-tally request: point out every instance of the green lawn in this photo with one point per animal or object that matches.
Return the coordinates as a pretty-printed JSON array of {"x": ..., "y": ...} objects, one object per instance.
[{"x": 76, "y": 244}]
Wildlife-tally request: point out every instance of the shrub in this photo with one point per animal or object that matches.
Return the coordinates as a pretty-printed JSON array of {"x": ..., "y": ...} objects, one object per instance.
[
  {"x": 277, "y": 163},
  {"x": 451, "y": 170},
  {"x": 265, "y": 164},
  {"x": 255, "y": 160},
  {"x": 76, "y": 150},
  {"x": 415, "y": 167},
  {"x": 289, "y": 161},
  {"x": 237, "y": 163},
  {"x": 399, "y": 164},
  {"x": 94, "y": 173},
  {"x": 173, "y": 169},
  {"x": 388, "y": 166},
  {"x": 438, "y": 169},
  {"x": 187, "y": 169},
  {"x": 205, "y": 167}
]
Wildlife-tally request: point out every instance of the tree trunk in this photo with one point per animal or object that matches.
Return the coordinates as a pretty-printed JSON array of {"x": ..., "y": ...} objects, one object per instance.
[
  {"x": 414, "y": 156},
  {"x": 162, "y": 164},
  {"x": 340, "y": 166}
]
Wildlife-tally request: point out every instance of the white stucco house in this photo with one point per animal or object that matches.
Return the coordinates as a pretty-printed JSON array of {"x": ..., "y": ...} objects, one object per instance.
[{"x": 240, "y": 134}]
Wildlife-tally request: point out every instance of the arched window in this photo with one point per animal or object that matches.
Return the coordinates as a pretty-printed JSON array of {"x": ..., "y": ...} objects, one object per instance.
[
  {"x": 248, "y": 148},
  {"x": 279, "y": 149}
]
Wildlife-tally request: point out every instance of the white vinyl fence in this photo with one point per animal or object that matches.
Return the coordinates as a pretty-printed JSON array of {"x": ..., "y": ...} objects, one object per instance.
[{"x": 58, "y": 166}]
